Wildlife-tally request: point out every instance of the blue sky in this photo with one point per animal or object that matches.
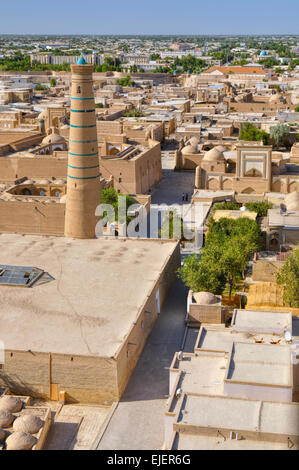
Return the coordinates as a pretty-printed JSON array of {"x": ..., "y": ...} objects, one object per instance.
[{"x": 149, "y": 17}]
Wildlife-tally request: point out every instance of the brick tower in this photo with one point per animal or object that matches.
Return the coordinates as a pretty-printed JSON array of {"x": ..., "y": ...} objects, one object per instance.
[{"x": 83, "y": 179}]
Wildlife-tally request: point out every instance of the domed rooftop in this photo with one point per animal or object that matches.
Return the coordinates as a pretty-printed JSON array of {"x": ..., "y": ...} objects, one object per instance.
[
  {"x": 10, "y": 403},
  {"x": 263, "y": 53},
  {"x": 81, "y": 60},
  {"x": 6, "y": 418},
  {"x": 221, "y": 148},
  {"x": 53, "y": 137},
  {"x": 20, "y": 441},
  {"x": 205, "y": 298},
  {"x": 189, "y": 149},
  {"x": 193, "y": 141},
  {"x": 213, "y": 155},
  {"x": 28, "y": 423}
]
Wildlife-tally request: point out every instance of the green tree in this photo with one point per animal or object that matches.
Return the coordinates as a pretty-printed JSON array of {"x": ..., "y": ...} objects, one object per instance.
[
  {"x": 125, "y": 81},
  {"x": 226, "y": 206},
  {"x": 40, "y": 87},
  {"x": 261, "y": 207},
  {"x": 288, "y": 277},
  {"x": 110, "y": 196},
  {"x": 230, "y": 243},
  {"x": 155, "y": 56},
  {"x": 251, "y": 133},
  {"x": 201, "y": 276},
  {"x": 280, "y": 135},
  {"x": 53, "y": 82},
  {"x": 297, "y": 109}
]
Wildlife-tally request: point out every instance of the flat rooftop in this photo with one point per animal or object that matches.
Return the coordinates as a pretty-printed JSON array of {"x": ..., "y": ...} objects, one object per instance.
[
  {"x": 240, "y": 414},
  {"x": 89, "y": 298},
  {"x": 262, "y": 321},
  {"x": 216, "y": 339},
  {"x": 203, "y": 374},
  {"x": 184, "y": 441},
  {"x": 263, "y": 364}
]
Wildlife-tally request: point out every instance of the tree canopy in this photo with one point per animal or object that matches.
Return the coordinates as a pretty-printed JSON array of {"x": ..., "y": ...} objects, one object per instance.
[
  {"x": 288, "y": 277},
  {"x": 230, "y": 243},
  {"x": 280, "y": 135},
  {"x": 250, "y": 132}
]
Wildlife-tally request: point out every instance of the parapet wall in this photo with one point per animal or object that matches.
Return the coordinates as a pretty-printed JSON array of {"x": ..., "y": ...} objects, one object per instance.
[
  {"x": 12, "y": 168},
  {"x": 32, "y": 218}
]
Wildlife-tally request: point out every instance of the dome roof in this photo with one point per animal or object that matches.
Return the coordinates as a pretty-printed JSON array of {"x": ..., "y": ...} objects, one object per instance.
[
  {"x": 221, "y": 148},
  {"x": 189, "y": 149},
  {"x": 28, "y": 423},
  {"x": 263, "y": 53},
  {"x": 6, "y": 418},
  {"x": 81, "y": 61},
  {"x": 205, "y": 298},
  {"x": 53, "y": 138},
  {"x": 20, "y": 441},
  {"x": 193, "y": 141},
  {"x": 10, "y": 403},
  {"x": 213, "y": 155}
]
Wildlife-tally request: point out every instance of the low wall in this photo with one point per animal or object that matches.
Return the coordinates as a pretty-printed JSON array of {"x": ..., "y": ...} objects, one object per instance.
[
  {"x": 12, "y": 168},
  {"x": 32, "y": 218}
]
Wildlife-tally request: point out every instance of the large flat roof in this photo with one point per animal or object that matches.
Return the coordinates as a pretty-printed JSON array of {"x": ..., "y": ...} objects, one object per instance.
[
  {"x": 217, "y": 339},
  {"x": 240, "y": 414},
  {"x": 262, "y": 321},
  {"x": 260, "y": 364},
  {"x": 96, "y": 291}
]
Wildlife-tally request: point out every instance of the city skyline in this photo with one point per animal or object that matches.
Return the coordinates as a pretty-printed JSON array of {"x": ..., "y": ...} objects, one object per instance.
[{"x": 195, "y": 17}]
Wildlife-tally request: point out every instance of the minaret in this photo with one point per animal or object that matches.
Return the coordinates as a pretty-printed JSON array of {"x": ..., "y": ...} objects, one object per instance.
[{"x": 83, "y": 179}]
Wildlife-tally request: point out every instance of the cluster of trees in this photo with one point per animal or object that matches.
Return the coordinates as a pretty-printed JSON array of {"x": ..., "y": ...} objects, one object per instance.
[
  {"x": 280, "y": 135},
  {"x": 133, "y": 113},
  {"x": 173, "y": 226},
  {"x": 260, "y": 207},
  {"x": 20, "y": 62},
  {"x": 250, "y": 132},
  {"x": 269, "y": 62},
  {"x": 125, "y": 81},
  {"x": 111, "y": 64},
  {"x": 293, "y": 64},
  {"x": 230, "y": 243},
  {"x": 155, "y": 56},
  {"x": 189, "y": 63},
  {"x": 41, "y": 87},
  {"x": 288, "y": 277},
  {"x": 110, "y": 196}
]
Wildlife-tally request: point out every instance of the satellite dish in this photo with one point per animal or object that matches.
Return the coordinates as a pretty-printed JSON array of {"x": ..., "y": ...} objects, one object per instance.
[{"x": 288, "y": 336}]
